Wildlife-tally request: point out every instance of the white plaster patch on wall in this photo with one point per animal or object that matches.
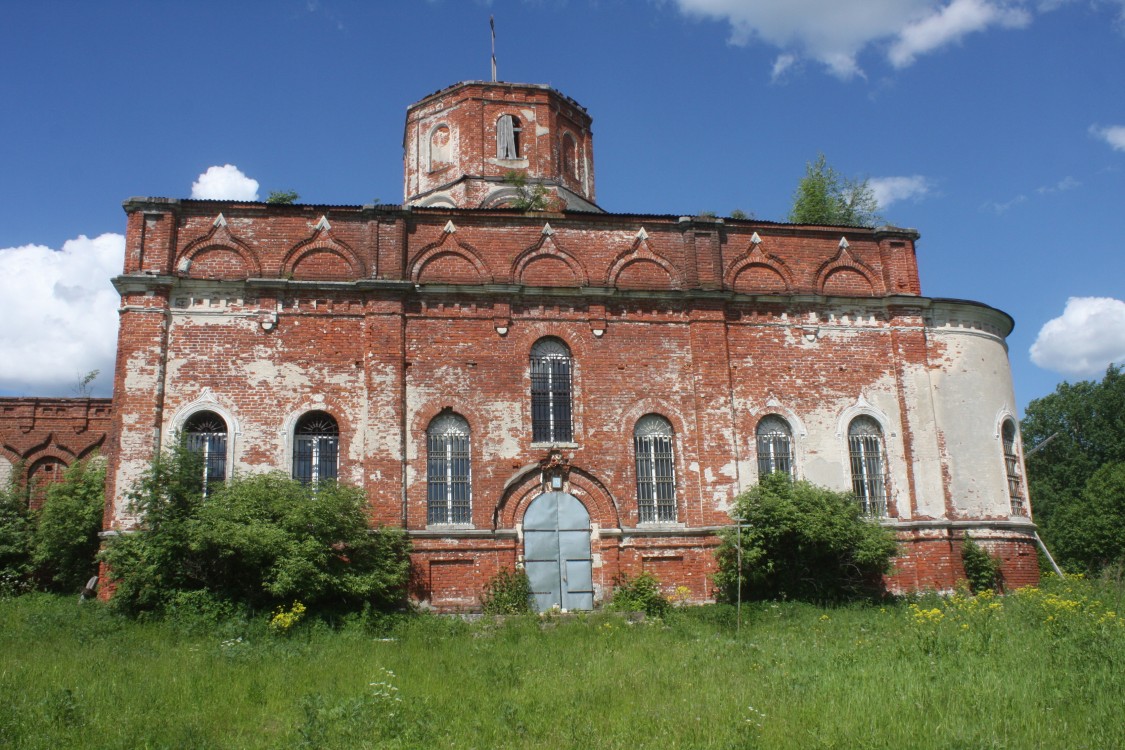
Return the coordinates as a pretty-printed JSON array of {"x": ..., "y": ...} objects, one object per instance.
[{"x": 5, "y": 471}]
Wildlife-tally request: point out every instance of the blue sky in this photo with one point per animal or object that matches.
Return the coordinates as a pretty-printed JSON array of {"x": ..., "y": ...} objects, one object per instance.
[{"x": 996, "y": 128}]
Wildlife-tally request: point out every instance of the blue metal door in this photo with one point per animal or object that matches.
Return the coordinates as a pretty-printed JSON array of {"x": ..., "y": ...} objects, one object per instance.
[{"x": 556, "y": 541}]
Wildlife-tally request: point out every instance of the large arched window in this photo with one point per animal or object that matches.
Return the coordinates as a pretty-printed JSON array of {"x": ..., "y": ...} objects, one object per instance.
[
  {"x": 205, "y": 434},
  {"x": 656, "y": 474},
  {"x": 550, "y": 392},
  {"x": 1012, "y": 468},
  {"x": 449, "y": 494},
  {"x": 868, "y": 461},
  {"x": 775, "y": 446},
  {"x": 508, "y": 137},
  {"x": 316, "y": 448}
]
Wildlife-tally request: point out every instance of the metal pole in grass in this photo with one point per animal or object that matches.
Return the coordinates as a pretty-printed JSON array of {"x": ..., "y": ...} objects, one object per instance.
[{"x": 738, "y": 545}]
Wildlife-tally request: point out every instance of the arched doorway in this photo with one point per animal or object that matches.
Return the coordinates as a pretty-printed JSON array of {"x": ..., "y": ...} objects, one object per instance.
[{"x": 556, "y": 542}]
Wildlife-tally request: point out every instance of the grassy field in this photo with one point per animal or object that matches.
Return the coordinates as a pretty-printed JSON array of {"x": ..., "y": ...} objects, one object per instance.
[{"x": 1044, "y": 668}]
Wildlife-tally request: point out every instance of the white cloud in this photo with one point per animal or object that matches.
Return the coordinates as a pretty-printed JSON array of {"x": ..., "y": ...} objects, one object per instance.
[
  {"x": 60, "y": 315},
  {"x": 835, "y": 32},
  {"x": 1114, "y": 135},
  {"x": 948, "y": 24},
  {"x": 999, "y": 208},
  {"x": 225, "y": 183},
  {"x": 1085, "y": 339},
  {"x": 782, "y": 64},
  {"x": 889, "y": 190},
  {"x": 1066, "y": 183}
]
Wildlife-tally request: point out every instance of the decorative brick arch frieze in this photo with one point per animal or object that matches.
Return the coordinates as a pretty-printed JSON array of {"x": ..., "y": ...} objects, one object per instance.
[
  {"x": 449, "y": 248},
  {"x": 755, "y": 257},
  {"x": 641, "y": 252},
  {"x": 219, "y": 239},
  {"x": 846, "y": 262},
  {"x": 500, "y": 197},
  {"x": 527, "y": 484},
  {"x": 323, "y": 241},
  {"x": 547, "y": 248}
]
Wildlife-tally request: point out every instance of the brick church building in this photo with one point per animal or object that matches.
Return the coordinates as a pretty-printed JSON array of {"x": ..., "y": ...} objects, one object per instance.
[{"x": 517, "y": 376}]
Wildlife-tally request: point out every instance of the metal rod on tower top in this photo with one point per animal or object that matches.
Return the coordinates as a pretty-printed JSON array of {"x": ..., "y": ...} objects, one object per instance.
[{"x": 492, "y": 25}]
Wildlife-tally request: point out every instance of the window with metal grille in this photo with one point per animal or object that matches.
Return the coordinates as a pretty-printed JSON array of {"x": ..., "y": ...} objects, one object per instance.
[
  {"x": 869, "y": 472},
  {"x": 448, "y": 477},
  {"x": 550, "y": 392},
  {"x": 1012, "y": 468},
  {"x": 205, "y": 433},
  {"x": 316, "y": 448},
  {"x": 775, "y": 446},
  {"x": 656, "y": 473}
]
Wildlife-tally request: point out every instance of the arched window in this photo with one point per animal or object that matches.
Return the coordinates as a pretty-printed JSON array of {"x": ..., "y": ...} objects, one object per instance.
[
  {"x": 1012, "y": 468},
  {"x": 569, "y": 155},
  {"x": 656, "y": 474},
  {"x": 550, "y": 392},
  {"x": 449, "y": 497},
  {"x": 775, "y": 446},
  {"x": 508, "y": 137},
  {"x": 869, "y": 477},
  {"x": 316, "y": 448},
  {"x": 42, "y": 474},
  {"x": 205, "y": 434},
  {"x": 439, "y": 148}
]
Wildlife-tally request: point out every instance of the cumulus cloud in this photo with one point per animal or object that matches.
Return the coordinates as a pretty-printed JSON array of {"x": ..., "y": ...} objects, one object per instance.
[
  {"x": 888, "y": 190},
  {"x": 1085, "y": 339},
  {"x": 60, "y": 315},
  {"x": 834, "y": 32},
  {"x": 1114, "y": 135},
  {"x": 949, "y": 24},
  {"x": 225, "y": 183}
]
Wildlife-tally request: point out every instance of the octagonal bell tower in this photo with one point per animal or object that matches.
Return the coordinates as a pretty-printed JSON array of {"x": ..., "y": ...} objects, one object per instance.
[{"x": 463, "y": 143}]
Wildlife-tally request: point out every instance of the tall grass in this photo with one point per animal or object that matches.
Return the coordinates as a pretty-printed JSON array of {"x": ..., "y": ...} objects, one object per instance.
[{"x": 1041, "y": 668}]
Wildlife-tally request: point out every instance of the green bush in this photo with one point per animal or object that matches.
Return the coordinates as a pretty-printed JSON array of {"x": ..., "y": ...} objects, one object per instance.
[
  {"x": 66, "y": 536},
  {"x": 801, "y": 541},
  {"x": 981, "y": 569},
  {"x": 258, "y": 542},
  {"x": 507, "y": 593},
  {"x": 639, "y": 594},
  {"x": 16, "y": 538}
]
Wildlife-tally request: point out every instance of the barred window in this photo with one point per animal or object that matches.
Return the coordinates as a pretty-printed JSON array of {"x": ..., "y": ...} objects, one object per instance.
[
  {"x": 205, "y": 434},
  {"x": 316, "y": 448},
  {"x": 775, "y": 446},
  {"x": 868, "y": 462},
  {"x": 550, "y": 392},
  {"x": 1012, "y": 468},
  {"x": 656, "y": 474},
  {"x": 448, "y": 478}
]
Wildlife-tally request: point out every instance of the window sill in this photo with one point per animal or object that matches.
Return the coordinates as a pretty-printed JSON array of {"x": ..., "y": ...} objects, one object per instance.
[
  {"x": 449, "y": 527},
  {"x": 554, "y": 445}
]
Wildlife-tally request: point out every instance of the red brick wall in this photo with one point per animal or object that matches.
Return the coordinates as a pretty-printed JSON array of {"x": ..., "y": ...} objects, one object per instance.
[{"x": 40, "y": 437}]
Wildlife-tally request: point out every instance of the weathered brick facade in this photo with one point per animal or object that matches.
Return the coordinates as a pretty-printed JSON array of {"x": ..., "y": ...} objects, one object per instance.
[
  {"x": 41, "y": 437},
  {"x": 385, "y": 318}
]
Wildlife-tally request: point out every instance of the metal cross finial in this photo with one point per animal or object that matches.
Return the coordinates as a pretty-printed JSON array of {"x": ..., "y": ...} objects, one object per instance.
[{"x": 492, "y": 25}]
